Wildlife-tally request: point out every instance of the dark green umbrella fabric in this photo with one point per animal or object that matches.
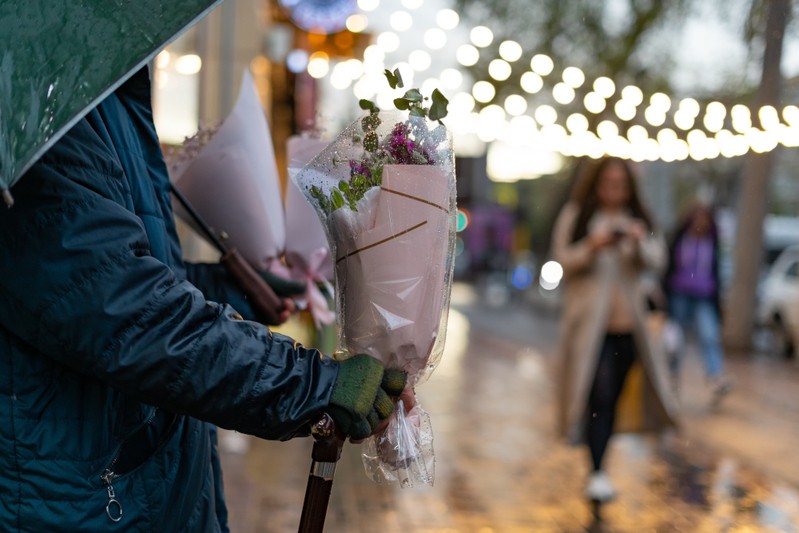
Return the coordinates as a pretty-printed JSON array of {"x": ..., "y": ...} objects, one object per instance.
[{"x": 59, "y": 58}]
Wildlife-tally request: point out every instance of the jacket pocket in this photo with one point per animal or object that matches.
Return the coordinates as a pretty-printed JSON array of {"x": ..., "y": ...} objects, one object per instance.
[{"x": 133, "y": 452}]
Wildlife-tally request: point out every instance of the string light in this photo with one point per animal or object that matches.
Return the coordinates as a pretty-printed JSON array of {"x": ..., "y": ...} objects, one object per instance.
[
  {"x": 481, "y": 36},
  {"x": 515, "y": 105},
  {"x": 604, "y": 87},
  {"x": 573, "y": 77},
  {"x": 594, "y": 103},
  {"x": 531, "y": 82},
  {"x": 545, "y": 115},
  {"x": 467, "y": 55},
  {"x": 777, "y": 126},
  {"x": 483, "y": 91},
  {"x": 510, "y": 51},
  {"x": 542, "y": 64},
  {"x": 499, "y": 69},
  {"x": 562, "y": 93}
]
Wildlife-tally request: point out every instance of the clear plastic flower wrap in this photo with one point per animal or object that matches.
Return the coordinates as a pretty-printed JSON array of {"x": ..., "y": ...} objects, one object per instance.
[{"x": 385, "y": 191}]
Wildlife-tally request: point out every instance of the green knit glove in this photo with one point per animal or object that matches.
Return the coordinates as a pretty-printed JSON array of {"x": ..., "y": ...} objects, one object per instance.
[{"x": 361, "y": 397}]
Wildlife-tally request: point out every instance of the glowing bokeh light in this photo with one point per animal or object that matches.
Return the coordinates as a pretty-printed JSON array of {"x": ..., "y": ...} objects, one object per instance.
[
  {"x": 510, "y": 51},
  {"x": 435, "y": 38},
  {"x": 481, "y": 36},
  {"x": 368, "y": 5},
  {"x": 545, "y": 115},
  {"x": 604, "y": 87},
  {"x": 542, "y": 64},
  {"x": 531, "y": 82},
  {"x": 483, "y": 91},
  {"x": 419, "y": 60},
  {"x": 624, "y": 110},
  {"x": 577, "y": 122},
  {"x": 188, "y": 64},
  {"x": 388, "y": 41},
  {"x": 594, "y": 102},
  {"x": 499, "y": 69},
  {"x": 573, "y": 77},
  {"x": 297, "y": 60},
  {"x": 467, "y": 55},
  {"x": 689, "y": 106},
  {"x": 447, "y": 19},
  {"x": 515, "y": 105},
  {"x": 451, "y": 78},
  {"x": 562, "y": 93},
  {"x": 607, "y": 129},
  {"x": 401, "y": 21},
  {"x": 655, "y": 116},
  {"x": 660, "y": 101},
  {"x": 357, "y": 23},
  {"x": 633, "y": 95},
  {"x": 318, "y": 65}
]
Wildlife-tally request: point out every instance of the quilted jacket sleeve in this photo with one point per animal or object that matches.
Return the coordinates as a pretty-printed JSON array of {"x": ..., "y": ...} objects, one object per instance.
[
  {"x": 78, "y": 284},
  {"x": 217, "y": 285}
]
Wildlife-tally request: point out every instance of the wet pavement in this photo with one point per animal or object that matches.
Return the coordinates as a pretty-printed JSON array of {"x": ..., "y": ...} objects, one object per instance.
[{"x": 500, "y": 468}]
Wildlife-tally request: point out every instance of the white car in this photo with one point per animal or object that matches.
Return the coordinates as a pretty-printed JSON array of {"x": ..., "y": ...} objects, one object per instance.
[{"x": 778, "y": 308}]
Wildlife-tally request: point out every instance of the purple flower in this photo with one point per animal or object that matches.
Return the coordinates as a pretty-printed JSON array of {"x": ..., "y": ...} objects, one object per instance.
[
  {"x": 357, "y": 168},
  {"x": 402, "y": 148}
]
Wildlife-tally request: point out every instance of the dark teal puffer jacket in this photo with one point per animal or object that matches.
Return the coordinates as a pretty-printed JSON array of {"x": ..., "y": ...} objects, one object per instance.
[{"x": 110, "y": 361}]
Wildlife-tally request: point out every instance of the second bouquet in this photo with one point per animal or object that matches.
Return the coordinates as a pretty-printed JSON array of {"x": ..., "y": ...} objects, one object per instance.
[{"x": 385, "y": 191}]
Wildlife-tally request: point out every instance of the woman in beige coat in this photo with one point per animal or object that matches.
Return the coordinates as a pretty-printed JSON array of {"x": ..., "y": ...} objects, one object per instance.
[{"x": 605, "y": 240}]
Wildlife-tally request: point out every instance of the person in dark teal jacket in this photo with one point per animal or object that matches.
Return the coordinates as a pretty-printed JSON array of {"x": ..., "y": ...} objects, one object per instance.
[{"x": 115, "y": 367}]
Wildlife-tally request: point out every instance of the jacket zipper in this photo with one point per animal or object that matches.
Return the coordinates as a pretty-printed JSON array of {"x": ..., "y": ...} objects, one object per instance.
[{"x": 113, "y": 508}]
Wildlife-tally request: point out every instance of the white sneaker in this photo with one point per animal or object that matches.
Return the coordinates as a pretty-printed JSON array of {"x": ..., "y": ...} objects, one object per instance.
[{"x": 599, "y": 487}]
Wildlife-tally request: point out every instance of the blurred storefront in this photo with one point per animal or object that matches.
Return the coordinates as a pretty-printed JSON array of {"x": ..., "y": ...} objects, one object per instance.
[{"x": 197, "y": 78}]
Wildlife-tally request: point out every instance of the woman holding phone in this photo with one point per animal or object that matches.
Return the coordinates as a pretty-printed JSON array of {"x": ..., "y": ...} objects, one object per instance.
[{"x": 606, "y": 240}]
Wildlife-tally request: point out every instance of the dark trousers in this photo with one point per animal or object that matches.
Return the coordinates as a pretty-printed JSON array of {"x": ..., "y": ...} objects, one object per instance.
[{"x": 615, "y": 360}]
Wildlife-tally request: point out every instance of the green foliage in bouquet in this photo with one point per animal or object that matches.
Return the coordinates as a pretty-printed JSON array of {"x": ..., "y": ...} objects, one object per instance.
[{"x": 410, "y": 142}]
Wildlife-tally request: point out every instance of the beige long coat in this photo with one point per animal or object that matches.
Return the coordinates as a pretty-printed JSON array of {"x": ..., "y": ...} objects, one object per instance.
[{"x": 589, "y": 282}]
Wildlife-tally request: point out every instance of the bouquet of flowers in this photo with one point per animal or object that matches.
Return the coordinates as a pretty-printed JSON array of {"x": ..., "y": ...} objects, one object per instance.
[
  {"x": 228, "y": 173},
  {"x": 385, "y": 191}
]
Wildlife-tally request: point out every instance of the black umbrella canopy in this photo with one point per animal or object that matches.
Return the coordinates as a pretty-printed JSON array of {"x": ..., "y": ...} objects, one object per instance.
[{"x": 58, "y": 59}]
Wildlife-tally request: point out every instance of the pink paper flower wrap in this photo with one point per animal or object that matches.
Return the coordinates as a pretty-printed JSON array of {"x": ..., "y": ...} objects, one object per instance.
[{"x": 393, "y": 249}]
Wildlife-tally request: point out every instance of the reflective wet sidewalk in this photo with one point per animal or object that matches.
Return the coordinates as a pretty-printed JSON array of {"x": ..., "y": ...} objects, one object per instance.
[{"x": 500, "y": 468}]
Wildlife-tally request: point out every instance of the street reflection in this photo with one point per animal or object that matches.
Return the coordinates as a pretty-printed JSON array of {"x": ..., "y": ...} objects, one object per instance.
[{"x": 500, "y": 467}]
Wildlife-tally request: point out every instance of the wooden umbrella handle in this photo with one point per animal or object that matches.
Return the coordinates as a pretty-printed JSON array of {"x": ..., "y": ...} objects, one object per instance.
[
  {"x": 326, "y": 453},
  {"x": 266, "y": 305}
]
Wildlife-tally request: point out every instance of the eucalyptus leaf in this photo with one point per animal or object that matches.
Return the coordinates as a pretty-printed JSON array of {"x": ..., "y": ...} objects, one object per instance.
[
  {"x": 413, "y": 95},
  {"x": 438, "y": 109},
  {"x": 367, "y": 105},
  {"x": 418, "y": 112},
  {"x": 401, "y": 104},
  {"x": 394, "y": 78}
]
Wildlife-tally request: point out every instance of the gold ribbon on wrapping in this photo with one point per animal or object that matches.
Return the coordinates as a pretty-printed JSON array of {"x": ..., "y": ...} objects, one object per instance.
[
  {"x": 378, "y": 243},
  {"x": 416, "y": 198}
]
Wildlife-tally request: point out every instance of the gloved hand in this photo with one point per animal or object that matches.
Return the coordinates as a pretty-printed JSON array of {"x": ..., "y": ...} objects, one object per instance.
[
  {"x": 267, "y": 305},
  {"x": 362, "y": 394},
  {"x": 285, "y": 288}
]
